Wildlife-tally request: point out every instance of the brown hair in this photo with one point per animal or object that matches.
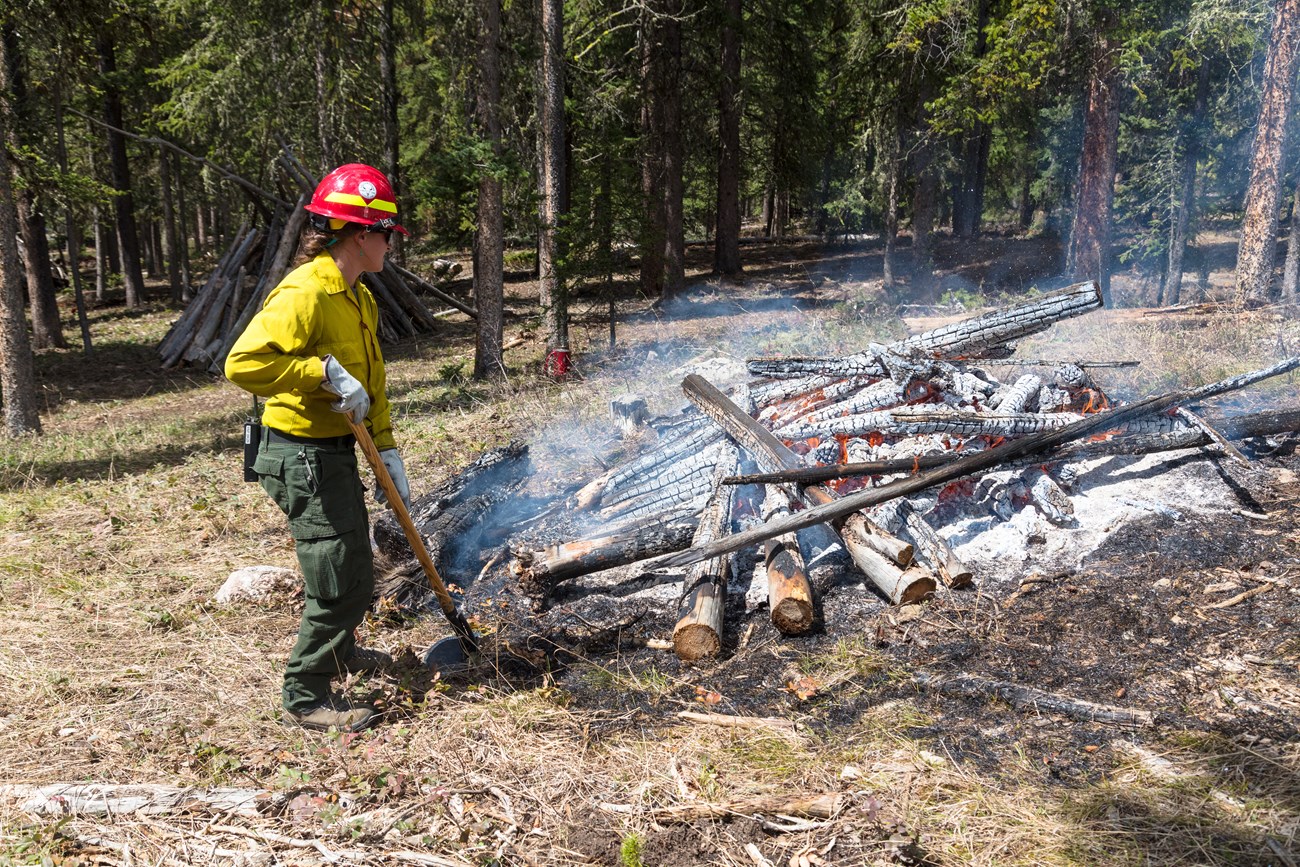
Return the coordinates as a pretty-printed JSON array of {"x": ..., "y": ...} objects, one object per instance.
[{"x": 314, "y": 241}]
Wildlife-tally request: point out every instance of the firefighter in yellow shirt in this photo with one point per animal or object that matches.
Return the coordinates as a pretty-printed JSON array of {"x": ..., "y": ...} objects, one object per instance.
[{"x": 313, "y": 352}]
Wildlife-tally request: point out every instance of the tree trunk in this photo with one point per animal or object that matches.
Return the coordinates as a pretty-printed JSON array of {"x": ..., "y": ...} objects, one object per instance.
[
  {"x": 1027, "y": 197},
  {"x": 1185, "y": 209},
  {"x": 925, "y": 196},
  {"x": 889, "y": 263},
  {"x": 184, "y": 249},
  {"x": 321, "y": 42},
  {"x": 489, "y": 245},
  {"x": 653, "y": 225},
  {"x": 171, "y": 249},
  {"x": 605, "y": 238},
  {"x": 1291, "y": 271},
  {"x": 17, "y": 374},
  {"x": 124, "y": 203},
  {"x": 1088, "y": 253},
  {"x": 726, "y": 243},
  {"x": 101, "y": 256},
  {"x": 157, "y": 262},
  {"x": 200, "y": 223},
  {"x": 72, "y": 229},
  {"x": 1258, "y": 247},
  {"x": 673, "y": 189},
  {"x": 388, "y": 77},
  {"x": 47, "y": 330},
  {"x": 555, "y": 307},
  {"x": 968, "y": 204}
]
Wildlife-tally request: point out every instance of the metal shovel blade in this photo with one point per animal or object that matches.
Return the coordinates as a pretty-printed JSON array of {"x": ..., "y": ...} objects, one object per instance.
[{"x": 447, "y": 654}]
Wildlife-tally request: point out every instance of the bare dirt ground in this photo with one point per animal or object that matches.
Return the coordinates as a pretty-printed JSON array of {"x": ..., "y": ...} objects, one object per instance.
[{"x": 122, "y": 520}]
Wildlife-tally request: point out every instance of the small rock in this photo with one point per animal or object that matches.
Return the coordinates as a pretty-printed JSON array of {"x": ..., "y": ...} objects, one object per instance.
[{"x": 259, "y": 584}]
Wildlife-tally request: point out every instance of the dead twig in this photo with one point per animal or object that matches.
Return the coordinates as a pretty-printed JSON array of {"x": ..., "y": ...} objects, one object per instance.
[{"x": 1240, "y": 597}]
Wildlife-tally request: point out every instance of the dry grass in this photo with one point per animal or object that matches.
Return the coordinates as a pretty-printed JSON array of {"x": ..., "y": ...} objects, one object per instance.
[{"x": 120, "y": 522}]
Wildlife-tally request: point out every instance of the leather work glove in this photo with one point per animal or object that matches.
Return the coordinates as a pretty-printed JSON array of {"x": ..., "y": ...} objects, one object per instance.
[
  {"x": 352, "y": 394},
  {"x": 397, "y": 471}
]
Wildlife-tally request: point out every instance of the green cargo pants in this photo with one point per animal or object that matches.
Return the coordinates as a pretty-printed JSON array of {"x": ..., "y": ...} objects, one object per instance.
[{"x": 315, "y": 483}]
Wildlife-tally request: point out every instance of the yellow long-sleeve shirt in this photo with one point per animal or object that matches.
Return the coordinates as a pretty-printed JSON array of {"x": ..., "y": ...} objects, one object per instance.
[{"x": 311, "y": 314}]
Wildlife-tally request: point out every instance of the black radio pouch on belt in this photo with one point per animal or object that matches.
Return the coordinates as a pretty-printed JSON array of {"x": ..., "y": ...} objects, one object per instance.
[{"x": 252, "y": 439}]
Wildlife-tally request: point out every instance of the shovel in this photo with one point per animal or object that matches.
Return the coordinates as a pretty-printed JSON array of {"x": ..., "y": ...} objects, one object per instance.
[{"x": 449, "y": 651}]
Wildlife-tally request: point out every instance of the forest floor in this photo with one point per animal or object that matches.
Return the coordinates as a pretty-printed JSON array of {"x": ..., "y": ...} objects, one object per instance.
[{"x": 125, "y": 516}]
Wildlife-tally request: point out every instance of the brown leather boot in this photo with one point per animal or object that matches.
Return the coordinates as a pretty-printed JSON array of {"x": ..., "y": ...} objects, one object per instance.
[{"x": 333, "y": 713}]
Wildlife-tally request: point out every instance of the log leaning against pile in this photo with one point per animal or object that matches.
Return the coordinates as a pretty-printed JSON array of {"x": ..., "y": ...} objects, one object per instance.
[{"x": 911, "y": 416}]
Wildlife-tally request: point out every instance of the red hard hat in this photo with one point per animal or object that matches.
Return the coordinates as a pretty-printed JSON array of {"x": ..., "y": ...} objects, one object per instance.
[{"x": 356, "y": 193}]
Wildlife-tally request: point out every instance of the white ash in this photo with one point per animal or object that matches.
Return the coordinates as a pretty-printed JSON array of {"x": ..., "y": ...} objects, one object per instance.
[
  {"x": 1108, "y": 493},
  {"x": 721, "y": 370}
]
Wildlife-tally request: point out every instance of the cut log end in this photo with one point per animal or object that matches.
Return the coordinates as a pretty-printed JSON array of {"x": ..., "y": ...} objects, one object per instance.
[
  {"x": 793, "y": 616},
  {"x": 915, "y": 586},
  {"x": 695, "y": 641}
]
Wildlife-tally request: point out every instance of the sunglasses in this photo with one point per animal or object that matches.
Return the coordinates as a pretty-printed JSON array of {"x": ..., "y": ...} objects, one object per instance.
[{"x": 388, "y": 233}]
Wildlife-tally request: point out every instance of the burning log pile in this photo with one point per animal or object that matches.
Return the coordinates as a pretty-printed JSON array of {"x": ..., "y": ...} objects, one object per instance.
[{"x": 856, "y": 463}]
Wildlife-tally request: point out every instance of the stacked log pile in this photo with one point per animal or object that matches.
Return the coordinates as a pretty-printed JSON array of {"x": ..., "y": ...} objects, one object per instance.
[
  {"x": 868, "y": 454},
  {"x": 255, "y": 262}
]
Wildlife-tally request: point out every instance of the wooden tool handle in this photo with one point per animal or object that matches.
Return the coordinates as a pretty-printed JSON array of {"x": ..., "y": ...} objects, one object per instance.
[{"x": 395, "y": 502}]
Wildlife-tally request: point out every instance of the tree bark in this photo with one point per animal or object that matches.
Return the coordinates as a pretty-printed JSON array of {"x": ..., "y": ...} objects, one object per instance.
[
  {"x": 1088, "y": 254},
  {"x": 1291, "y": 271},
  {"x": 17, "y": 374},
  {"x": 968, "y": 204},
  {"x": 47, "y": 330},
  {"x": 653, "y": 225},
  {"x": 889, "y": 263},
  {"x": 72, "y": 229},
  {"x": 1258, "y": 247},
  {"x": 726, "y": 241},
  {"x": 101, "y": 256},
  {"x": 183, "y": 252},
  {"x": 489, "y": 245},
  {"x": 388, "y": 77},
  {"x": 1185, "y": 209},
  {"x": 554, "y": 301},
  {"x": 674, "y": 150},
  {"x": 124, "y": 203},
  {"x": 171, "y": 247},
  {"x": 321, "y": 42}
]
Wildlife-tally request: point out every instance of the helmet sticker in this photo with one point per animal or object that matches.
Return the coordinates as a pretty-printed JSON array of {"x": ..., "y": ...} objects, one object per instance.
[{"x": 367, "y": 190}]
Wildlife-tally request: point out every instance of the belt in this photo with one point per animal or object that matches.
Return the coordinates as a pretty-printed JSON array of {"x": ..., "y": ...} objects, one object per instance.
[{"x": 346, "y": 441}]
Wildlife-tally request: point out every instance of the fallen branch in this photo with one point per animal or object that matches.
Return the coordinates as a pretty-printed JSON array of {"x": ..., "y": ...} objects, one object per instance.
[
  {"x": 1240, "y": 597},
  {"x": 1027, "y": 698},
  {"x": 815, "y": 805},
  {"x": 738, "y": 722},
  {"x": 99, "y": 799},
  {"x": 976, "y": 463}
]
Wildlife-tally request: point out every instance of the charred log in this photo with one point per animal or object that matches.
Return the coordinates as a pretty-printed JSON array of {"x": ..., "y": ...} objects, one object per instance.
[
  {"x": 789, "y": 594},
  {"x": 982, "y": 336},
  {"x": 451, "y": 520},
  {"x": 540, "y": 571},
  {"x": 698, "y": 632},
  {"x": 932, "y": 548}
]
